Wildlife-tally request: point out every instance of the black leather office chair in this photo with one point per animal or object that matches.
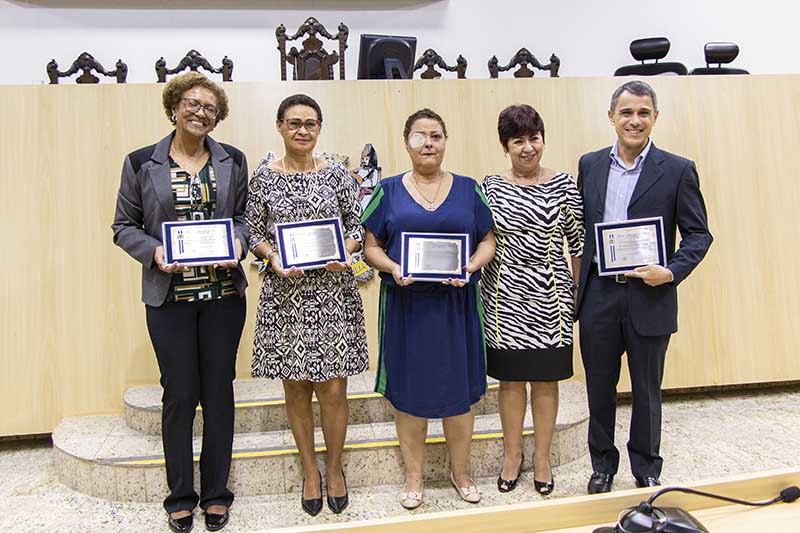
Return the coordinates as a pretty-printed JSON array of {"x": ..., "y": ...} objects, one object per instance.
[
  {"x": 719, "y": 53},
  {"x": 651, "y": 48}
]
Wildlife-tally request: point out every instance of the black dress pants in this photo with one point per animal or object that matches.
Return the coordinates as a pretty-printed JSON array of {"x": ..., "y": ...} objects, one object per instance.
[
  {"x": 196, "y": 344},
  {"x": 606, "y": 332}
]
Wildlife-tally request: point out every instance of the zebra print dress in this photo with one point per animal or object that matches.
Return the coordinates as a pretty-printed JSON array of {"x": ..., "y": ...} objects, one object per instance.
[{"x": 527, "y": 289}]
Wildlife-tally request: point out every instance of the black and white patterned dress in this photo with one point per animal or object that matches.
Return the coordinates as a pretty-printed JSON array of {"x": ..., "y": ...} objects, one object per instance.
[
  {"x": 311, "y": 327},
  {"x": 527, "y": 287}
]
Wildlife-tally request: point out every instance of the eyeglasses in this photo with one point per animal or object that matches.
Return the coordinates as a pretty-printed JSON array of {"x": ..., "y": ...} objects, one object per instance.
[
  {"x": 294, "y": 124},
  {"x": 193, "y": 106}
]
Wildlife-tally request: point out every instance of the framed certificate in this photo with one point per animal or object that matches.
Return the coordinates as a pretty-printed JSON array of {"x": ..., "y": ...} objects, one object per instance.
[
  {"x": 434, "y": 256},
  {"x": 311, "y": 243},
  {"x": 628, "y": 244},
  {"x": 198, "y": 242}
]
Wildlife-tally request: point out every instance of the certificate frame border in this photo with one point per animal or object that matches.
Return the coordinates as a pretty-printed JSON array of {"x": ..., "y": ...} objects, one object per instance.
[
  {"x": 464, "y": 237},
  {"x": 658, "y": 222},
  {"x": 280, "y": 227},
  {"x": 166, "y": 241}
]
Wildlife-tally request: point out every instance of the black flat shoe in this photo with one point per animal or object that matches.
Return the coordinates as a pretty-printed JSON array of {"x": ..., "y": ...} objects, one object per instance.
[
  {"x": 507, "y": 485},
  {"x": 600, "y": 483},
  {"x": 180, "y": 525},
  {"x": 337, "y": 504},
  {"x": 215, "y": 522},
  {"x": 647, "y": 481},
  {"x": 314, "y": 505}
]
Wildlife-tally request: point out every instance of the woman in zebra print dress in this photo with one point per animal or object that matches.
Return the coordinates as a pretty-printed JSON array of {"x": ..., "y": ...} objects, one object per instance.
[{"x": 528, "y": 290}]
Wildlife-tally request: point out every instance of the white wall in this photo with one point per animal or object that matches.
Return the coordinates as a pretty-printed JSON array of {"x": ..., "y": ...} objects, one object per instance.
[{"x": 590, "y": 37}]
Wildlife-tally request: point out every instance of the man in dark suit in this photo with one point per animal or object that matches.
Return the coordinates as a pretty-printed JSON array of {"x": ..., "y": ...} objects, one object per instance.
[{"x": 637, "y": 312}]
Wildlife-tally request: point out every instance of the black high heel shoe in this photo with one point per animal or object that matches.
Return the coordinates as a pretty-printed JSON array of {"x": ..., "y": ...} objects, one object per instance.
[
  {"x": 337, "y": 504},
  {"x": 544, "y": 487},
  {"x": 507, "y": 485},
  {"x": 314, "y": 505}
]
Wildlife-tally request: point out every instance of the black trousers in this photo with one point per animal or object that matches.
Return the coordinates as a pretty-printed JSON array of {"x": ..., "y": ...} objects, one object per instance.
[
  {"x": 606, "y": 332},
  {"x": 195, "y": 344}
]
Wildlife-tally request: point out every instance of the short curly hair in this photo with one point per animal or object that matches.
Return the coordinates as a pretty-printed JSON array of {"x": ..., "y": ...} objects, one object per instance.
[
  {"x": 517, "y": 121},
  {"x": 423, "y": 113},
  {"x": 177, "y": 86}
]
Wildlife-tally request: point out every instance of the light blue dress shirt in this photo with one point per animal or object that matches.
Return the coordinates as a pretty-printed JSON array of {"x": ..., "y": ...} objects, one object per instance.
[{"x": 621, "y": 183}]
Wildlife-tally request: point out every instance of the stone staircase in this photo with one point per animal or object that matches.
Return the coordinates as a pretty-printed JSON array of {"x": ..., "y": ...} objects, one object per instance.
[{"x": 120, "y": 457}]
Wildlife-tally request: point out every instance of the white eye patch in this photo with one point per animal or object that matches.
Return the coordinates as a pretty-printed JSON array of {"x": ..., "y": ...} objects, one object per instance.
[{"x": 417, "y": 139}]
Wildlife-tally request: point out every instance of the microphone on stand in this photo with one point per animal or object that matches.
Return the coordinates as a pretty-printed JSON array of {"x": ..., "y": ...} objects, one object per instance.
[{"x": 646, "y": 518}]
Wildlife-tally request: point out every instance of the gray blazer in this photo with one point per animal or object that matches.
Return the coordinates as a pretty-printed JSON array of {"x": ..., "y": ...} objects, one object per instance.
[{"x": 145, "y": 201}]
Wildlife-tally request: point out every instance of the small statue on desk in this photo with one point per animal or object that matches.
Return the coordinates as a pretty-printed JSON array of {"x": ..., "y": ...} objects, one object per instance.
[{"x": 366, "y": 177}]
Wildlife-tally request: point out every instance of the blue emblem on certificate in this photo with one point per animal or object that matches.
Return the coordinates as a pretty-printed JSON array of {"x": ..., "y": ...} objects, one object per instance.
[
  {"x": 310, "y": 244},
  {"x": 625, "y": 245},
  {"x": 198, "y": 242},
  {"x": 434, "y": 256}
]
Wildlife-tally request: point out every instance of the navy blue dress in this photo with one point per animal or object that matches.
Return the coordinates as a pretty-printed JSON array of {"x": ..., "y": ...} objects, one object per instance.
[{"x": 432, "y": 356}]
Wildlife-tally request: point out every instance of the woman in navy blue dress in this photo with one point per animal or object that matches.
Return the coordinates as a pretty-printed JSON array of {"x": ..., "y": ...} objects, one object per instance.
[{"x": 432, "y": 356}]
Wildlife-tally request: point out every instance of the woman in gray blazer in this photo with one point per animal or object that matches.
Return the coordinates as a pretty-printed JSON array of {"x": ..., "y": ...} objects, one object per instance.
[{"x": 194, "y": 314}]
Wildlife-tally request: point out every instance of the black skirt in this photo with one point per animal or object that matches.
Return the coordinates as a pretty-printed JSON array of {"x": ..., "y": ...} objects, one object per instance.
[{"x": 544, "y": 364}]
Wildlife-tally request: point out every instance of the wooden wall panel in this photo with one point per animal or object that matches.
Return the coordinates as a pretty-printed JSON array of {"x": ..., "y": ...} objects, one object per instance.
[{"x": 72, "y": 333}]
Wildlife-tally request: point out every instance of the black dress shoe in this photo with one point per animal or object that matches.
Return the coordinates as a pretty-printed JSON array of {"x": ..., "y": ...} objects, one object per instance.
[
  {"x": 215, "y": 522},
  {"x": 507, "y": 485},
  {"x": 181, "y": 525},
  {"x": 337, "y": 504},
  {"x": 314, "y": 505},
  {"x": 600, "y": 483},
  {"x": 647, "y": 481}
]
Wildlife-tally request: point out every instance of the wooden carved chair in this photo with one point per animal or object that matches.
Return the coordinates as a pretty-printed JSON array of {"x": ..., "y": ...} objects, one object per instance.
[
  {"x": 86, "y": 63},
  {"x": 522, "y": 59},
  {"x": 431, "y": 59},
  {"x": 312, "y": 62},
  {"x": 193, "y": 61}
]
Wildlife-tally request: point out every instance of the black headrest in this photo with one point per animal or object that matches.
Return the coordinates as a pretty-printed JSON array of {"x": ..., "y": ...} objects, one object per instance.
[
  {"x": 721, "y": 52},
  {"x": 650, "y": 48}
]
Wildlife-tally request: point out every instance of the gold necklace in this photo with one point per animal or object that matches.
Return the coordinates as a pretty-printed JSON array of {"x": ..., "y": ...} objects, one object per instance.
[{"x": 435, "y": 196}]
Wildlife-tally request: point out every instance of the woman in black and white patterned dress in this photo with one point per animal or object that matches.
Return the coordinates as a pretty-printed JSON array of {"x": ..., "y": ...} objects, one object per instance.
[
  {"x": 309, "y": 324},
  {"x": 528, "y": 290}
]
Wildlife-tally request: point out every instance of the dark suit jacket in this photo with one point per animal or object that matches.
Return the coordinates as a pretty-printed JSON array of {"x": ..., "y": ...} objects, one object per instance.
[
  {"x": 668, "y": 187},
  {"x": 145, "y": 201}
]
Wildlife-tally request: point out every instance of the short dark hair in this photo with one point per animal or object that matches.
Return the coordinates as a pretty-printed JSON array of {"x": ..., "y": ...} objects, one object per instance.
[
  {"x": 299, "y": 99},
  {"x": 636, "y": 87},
  {"x": 423, "y": 113},
  {"x": 517, "y": 121}
]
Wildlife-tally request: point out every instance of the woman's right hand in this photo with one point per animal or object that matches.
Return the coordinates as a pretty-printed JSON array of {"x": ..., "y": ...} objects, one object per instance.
[
  {"x": 158, "y": 257},
  {"x": 281, "y": 273},
  {"x": 398, "y": 276}
]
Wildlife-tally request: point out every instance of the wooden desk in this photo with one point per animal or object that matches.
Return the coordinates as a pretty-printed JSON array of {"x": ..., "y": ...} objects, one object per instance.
[
  {"x": 778, "y": 518},
  {"x": 585, "y": 513}
]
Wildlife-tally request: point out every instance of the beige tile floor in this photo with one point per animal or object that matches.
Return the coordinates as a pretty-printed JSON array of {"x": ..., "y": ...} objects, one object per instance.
[{"x": 705, "y": 435}]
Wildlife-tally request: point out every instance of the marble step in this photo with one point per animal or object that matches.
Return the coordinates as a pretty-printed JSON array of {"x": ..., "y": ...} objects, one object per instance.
[
  {"x": 103, "y": 457},
  {"x": 260, "y": 405}
]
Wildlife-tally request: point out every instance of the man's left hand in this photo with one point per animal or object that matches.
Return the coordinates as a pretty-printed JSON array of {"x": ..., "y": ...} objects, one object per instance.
[{"x": 652, "y": 275}]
